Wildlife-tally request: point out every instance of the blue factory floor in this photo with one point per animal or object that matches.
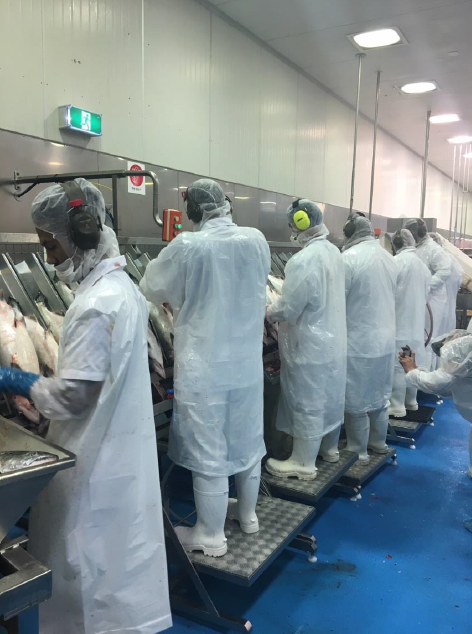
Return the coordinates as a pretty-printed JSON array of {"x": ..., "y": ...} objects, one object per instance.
[{"x": 398, "y": 560}]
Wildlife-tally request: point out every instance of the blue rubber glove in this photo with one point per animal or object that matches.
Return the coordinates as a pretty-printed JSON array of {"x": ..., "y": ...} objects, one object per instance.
[{"x": 16, "y": 381}]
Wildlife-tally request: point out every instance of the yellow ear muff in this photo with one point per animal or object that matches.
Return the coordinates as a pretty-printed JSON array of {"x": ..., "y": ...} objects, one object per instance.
[{"x": 301, "y": 220}]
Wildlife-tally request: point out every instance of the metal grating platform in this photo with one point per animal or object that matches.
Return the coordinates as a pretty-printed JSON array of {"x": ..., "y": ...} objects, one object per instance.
[
  {"x": 423, "y": 415},
  {"x": 249, "y": 555},
  {"x": 358, "y": 474},
  {"x": 311, "y": 491},
  {"x": 400, "y": 425}
]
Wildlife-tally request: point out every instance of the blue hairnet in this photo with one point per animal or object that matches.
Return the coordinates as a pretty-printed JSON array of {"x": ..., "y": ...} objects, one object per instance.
[
  {"x": 362, "y": 230},
  {"x": 314, "y": 212}
]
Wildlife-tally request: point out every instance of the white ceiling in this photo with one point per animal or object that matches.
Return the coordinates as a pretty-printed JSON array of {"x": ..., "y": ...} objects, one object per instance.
[{"x": 312, "y": 35}]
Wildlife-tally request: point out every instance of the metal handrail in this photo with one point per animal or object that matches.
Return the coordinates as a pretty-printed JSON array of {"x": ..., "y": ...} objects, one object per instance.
[{"x": 18, "y": 180}]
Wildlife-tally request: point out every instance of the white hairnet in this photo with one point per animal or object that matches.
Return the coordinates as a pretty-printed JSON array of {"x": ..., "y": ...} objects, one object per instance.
[
  {"x": 357, "y": 229},
  {"x": 456, "y": 352},
  {"x": 50, "y": 213},
  {"x": 437, "y": 238},
  {"x": 402, "y": 239},
  {"x": 210, "y": 198}
]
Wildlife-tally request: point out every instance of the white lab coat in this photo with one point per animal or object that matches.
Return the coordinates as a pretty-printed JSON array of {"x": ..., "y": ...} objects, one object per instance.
[
  {"x": 371, "y": 275},
  {"x": 312, "y": 341},
  {"x": 215, "y": 280},
  {"x": 453, "y": 285},
  {"x": 444, "y": 384},
  {"x": 411, "y": 295},
  {"x": 99, "y": 526},
  {"x": 439, "y": 264}
]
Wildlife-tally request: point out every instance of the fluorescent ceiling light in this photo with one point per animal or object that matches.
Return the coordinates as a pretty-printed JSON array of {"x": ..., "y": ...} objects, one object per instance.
[
  {"x": 460, "y": 139},
  {"x": 419, "y": 87},
  {"x": 55, "y": 163},
  {"x": 444, "y": 118},
  {"x": 378, "y": 38},
  {"x": 468, "y": 155},
  {"x": 57, "y": 144}
]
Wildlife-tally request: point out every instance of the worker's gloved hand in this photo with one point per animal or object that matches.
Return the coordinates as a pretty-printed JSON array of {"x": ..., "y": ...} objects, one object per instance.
[{"x": 16, "y": 381}]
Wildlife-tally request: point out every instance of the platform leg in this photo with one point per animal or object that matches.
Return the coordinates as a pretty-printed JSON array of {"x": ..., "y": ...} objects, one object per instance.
[
  {"x": 305, "y": 543},
  {"x": 206, "y": 612}
]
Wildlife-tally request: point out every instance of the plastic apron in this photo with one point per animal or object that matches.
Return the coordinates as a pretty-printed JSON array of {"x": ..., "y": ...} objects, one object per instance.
[
  {"x": 99, "y": 526},
  {"x": 438, "y": 262},
  {"x": 453, "y": 285},
  {"x": 312, "y": 341},
  {"x": 371, "y": 276},
  {"x": 215, "y": 280},
  {"x": 411, "y": 295}
]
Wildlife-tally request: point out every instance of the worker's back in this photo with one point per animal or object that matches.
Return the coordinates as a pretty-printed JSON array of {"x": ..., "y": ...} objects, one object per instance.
[
  {"x": 370, "y": 305},
  {"x": 219, "y": 326}
]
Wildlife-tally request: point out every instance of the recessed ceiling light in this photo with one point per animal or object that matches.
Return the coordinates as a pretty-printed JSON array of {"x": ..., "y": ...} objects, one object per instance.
[
  {"x": 419, "y": 87},
  {"x": 377, "y": 38},
  {"x": 460, "y": 139},
  {"x": 444, "y": 118}
]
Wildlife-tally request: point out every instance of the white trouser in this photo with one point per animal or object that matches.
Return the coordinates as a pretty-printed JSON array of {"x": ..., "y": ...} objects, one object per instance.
[
  {"x": 357, "y": 433},
  {"x": 366, "y": 429},
  {"x": 378, "y": 428},
  {"x": 329, "y": 444},
  {"x": 211, "y": 501},
  {"x": 247, "y": 489},
  {"x": 397, "y": 400},
  {"x": 305, "y": 452},
  {"x": 410, "y": 398}
]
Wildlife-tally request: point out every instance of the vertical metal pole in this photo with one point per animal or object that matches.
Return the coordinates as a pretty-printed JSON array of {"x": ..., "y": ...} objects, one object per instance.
[
  {"x": 464, "y": 232},
  {"x": 374, "y": 145},
  {"x": 356, "y": 125},
  {"x": 452, "y": 192},
  {"x": 457, "y": 195},
  {"x": 425, "y": 164},
  {"x": 463, "y": 195}
]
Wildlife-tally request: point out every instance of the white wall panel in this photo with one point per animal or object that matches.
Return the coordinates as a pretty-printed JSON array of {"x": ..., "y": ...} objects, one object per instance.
[
  {"x": 21, "y": 67},
  {"x": 177, "y": 84},
  {"x": 93, "y": 59},
  {"x": 338, "y": 152},
  {"x": 235, "y": 112},
  {"x": 310, "y": 149},
  {"x": 179, "y": 87},
  {"x": 278, "y": 86}
]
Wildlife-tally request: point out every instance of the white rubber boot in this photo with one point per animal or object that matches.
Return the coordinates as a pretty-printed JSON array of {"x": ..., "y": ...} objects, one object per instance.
[
  {"x": 329, "y": 446},
  {"x": 243, "y": 509},
  {"x": 397, "y": 400},
  {"x": 211, "y": 501},
  {"x": 301, "y": 464},
  {"x": 378, "y": 430},
  {"x": 357, "y": 433},
  {"x": 411, "y": 403}
]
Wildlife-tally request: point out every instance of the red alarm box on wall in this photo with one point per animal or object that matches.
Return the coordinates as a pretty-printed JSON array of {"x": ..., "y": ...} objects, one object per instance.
[{"x": 172, "y": 224}]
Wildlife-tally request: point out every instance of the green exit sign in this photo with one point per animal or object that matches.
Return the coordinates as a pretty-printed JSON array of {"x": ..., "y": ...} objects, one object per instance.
[{"x": 80, "y": 120}]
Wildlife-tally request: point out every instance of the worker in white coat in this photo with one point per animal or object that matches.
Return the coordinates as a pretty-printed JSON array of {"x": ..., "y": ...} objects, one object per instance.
[
  {"x": 312, "y": 342},
  {"x": 439, "y": 264},
  {"x": 453, "y": 285},
  {"x": 215, "y": 281},
  {"x": 453, "y": 376},
  {"x": 411, "y": 296},
  {"x": 98, "y": 526},
  {"x": 371, "y": 276}
]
